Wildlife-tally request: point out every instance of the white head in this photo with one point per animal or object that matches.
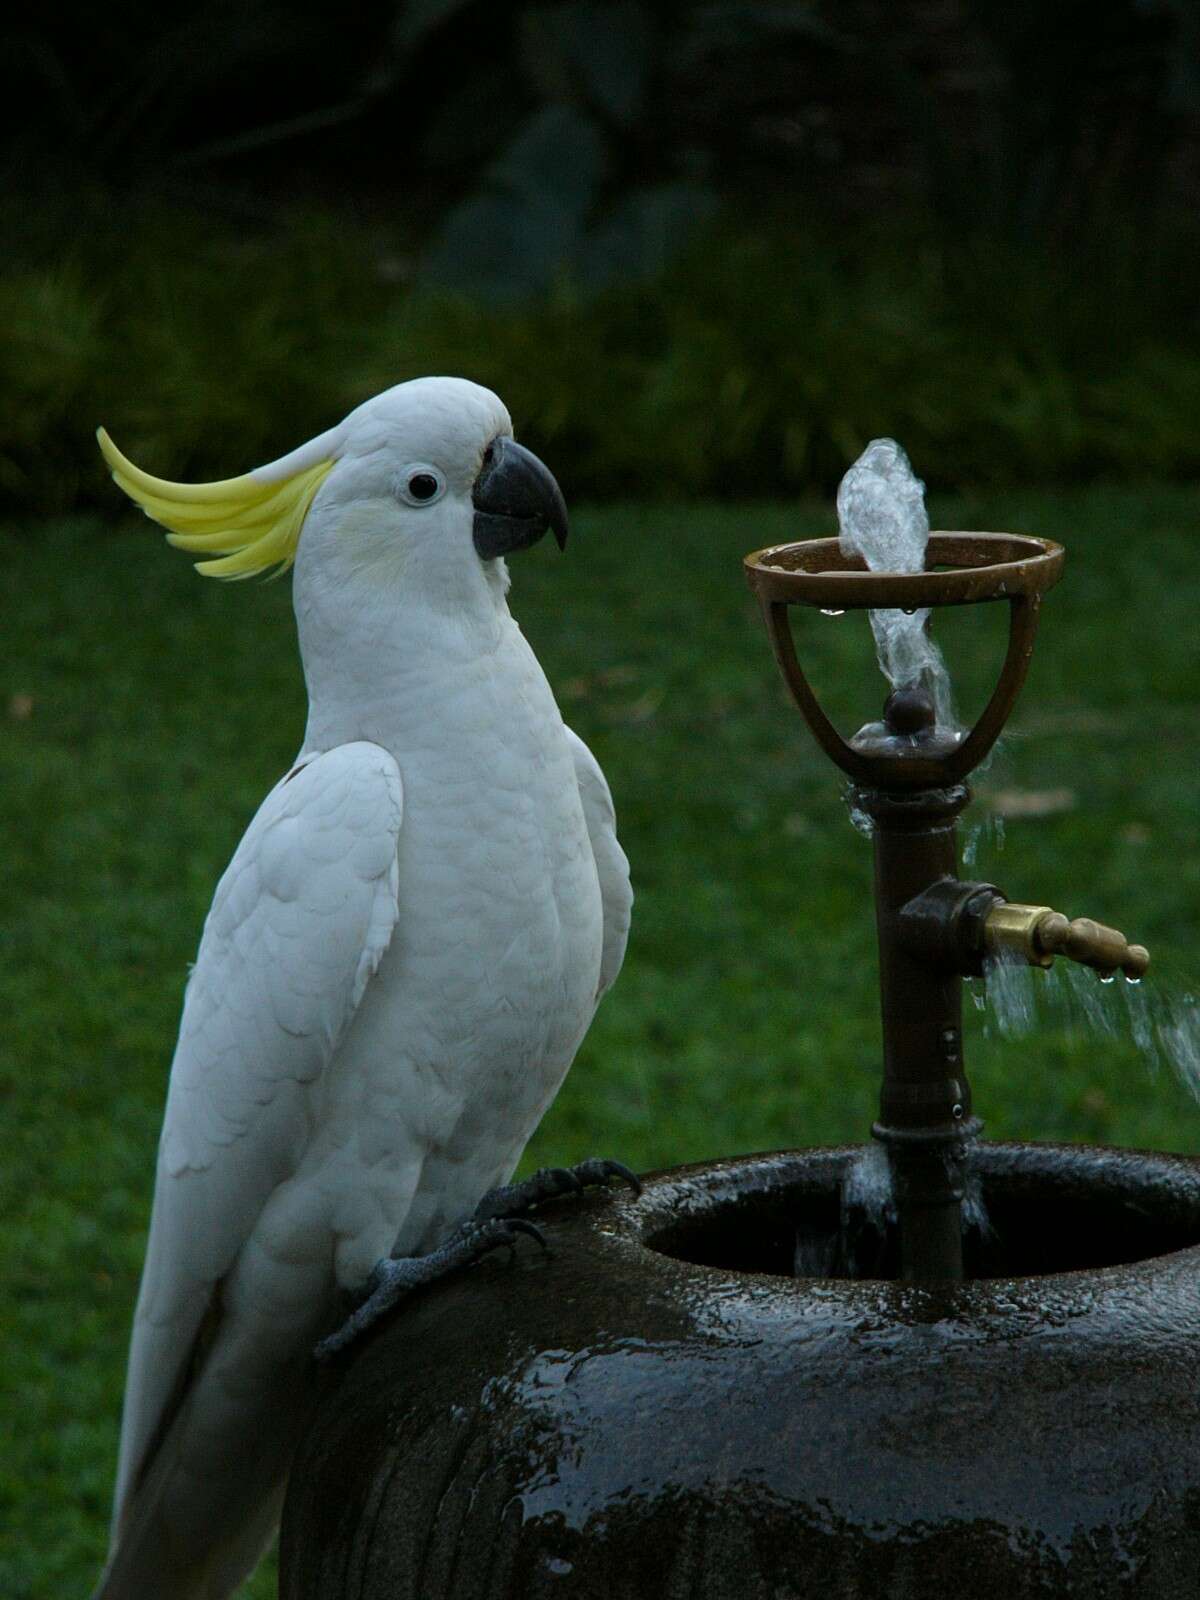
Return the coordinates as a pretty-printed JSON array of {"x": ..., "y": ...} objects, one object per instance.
[
  {"x": 416, "y": 479},
  {"x": 397, "y": 520}
]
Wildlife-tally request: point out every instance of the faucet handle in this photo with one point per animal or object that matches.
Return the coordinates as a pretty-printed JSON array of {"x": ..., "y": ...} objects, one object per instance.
[{"x": 1091, "y": 944}]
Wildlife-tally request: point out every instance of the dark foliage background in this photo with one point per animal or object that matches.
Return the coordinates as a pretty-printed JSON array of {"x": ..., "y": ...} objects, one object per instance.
[
  {"x": 1027, "y": 115},
  {"x": 698, "y": 247}
]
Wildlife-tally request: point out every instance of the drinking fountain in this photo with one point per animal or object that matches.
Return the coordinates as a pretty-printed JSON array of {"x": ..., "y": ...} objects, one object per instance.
[{"x": 909, "y": 778}]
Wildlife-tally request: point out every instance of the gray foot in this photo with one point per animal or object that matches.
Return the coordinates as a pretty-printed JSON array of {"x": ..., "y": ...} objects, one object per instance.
[
  {"x": 514, "y": 1199},
  {"x": 394, "y": 1277}
]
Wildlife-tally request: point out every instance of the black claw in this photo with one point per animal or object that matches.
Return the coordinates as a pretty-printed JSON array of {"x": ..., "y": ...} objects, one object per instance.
[
  {"x": 599, "y": 1170},
  {"x": 520, "y": 1225},
  {"x": 618, "y": 1169}
]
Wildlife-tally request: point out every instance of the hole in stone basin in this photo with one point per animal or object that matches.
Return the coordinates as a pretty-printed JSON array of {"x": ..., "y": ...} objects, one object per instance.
[{"x": 1033, "y": 1228}]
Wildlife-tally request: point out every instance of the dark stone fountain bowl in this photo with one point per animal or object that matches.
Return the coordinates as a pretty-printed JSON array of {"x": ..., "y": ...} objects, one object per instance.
[{"x": 656, "y": 1409}]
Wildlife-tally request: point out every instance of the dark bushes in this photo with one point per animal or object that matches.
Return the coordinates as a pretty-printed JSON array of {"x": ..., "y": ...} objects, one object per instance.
[{"x": 757, "y": 364}]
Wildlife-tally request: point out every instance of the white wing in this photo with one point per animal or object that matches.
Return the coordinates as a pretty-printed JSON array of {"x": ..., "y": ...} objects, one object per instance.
[
  {"x": 298, "y": 925},
  {"x": 611, "y": 864}
]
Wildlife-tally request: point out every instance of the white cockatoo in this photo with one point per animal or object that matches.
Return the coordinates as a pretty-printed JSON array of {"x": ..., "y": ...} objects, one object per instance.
[{"x": 399, "y": 964}]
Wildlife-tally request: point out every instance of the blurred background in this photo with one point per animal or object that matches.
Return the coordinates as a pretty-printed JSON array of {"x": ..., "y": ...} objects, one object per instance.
[
  {"x": 699, "y": 248},
  {"x": 705, "y": 253}
]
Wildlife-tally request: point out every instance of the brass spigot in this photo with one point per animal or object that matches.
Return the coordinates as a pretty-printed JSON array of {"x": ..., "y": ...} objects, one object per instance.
[{"x": 1038, "y": 933}]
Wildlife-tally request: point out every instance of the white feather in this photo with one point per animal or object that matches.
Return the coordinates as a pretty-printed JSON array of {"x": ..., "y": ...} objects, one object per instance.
[
  {"x": 300, "y": 920},
  {"x": 612, "y": 864}
]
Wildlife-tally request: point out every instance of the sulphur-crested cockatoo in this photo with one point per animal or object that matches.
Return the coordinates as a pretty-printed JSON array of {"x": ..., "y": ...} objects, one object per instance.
[{"x": 398, "y": 967}]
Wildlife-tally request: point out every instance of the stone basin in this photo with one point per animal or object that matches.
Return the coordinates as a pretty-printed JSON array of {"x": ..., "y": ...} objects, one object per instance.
[{"x": 657, "y": 1408}]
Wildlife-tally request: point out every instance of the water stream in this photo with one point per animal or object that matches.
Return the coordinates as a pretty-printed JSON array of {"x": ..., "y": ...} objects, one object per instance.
[
  {"x": 1163, "y": 1022},
  {"x": 882, "y": 517},
  {"x": 865, "y": 1244}
]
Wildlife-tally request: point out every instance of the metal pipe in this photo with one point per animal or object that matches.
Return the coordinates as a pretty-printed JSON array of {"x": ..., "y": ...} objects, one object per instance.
[{"x": 925, "y": 1103}]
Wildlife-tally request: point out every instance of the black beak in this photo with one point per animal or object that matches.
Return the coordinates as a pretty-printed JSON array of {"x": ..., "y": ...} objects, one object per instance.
[{"x": 516, "y": 499}]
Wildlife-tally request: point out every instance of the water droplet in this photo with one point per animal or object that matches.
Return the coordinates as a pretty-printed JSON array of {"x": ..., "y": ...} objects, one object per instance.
[
  {"x": 1131, "y": 980},
  {"x": 909, "y": 611},
  {"x": 1108, "y": 977},
  {"x": 826, "y": 613},
  {"x": 861, "y": 821}
]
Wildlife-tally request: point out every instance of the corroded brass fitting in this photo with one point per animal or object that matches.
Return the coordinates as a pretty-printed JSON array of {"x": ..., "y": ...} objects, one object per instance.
[
  {"x": 1013, "y": 927},
  {"x": 1038, "y": 933}
]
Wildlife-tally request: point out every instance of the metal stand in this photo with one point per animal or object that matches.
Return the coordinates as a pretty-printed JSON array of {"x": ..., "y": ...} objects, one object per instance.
[{"x": 908, "y": 776}]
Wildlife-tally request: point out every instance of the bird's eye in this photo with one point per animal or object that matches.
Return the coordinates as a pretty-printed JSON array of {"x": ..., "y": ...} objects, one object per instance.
[{"x": 419, "y": 485}]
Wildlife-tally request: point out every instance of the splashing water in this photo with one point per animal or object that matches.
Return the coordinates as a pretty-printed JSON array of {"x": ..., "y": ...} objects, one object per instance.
[
  {"x": 1164, "y": 1025},
  {"x": 857, "y": 1247},
  {"x": 867, "y": 1184},
  {"x": 1009, "y": 991},
  {"x": 881, "y": 515},
  {"x": 983, "y": 838},
  {"x": 1141, "y": 1023},
  {"x": 1179, "y": 1036},
  {"x": 1021, "y": 998},
  {"x": 1083, "y": 988},
  {"x": 1166, "y": 1029},
  {"x": 974, "y": 1211},
  {"x": 860, "y": 819},
  {"x": 868, "y": 1212},
  {"x": 868, "y": 1209}
]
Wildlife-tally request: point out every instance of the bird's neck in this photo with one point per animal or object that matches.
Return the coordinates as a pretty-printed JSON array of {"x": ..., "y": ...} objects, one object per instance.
[{"x": 380, "y": 656}]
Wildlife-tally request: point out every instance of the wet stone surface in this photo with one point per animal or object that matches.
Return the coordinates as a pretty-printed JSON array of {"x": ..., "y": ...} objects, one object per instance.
[{"x": 655, "y": 1409}]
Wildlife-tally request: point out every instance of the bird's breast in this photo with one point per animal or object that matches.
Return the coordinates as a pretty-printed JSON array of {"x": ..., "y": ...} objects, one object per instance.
[{"x": 489, "y": 983}]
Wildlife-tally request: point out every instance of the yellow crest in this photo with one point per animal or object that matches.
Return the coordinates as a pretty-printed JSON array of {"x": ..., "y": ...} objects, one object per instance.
[{"x": 244, "y": 525}]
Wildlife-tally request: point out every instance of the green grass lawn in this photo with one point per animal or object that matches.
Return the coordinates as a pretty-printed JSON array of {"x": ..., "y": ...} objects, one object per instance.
[{"x": 144, "y": 711}]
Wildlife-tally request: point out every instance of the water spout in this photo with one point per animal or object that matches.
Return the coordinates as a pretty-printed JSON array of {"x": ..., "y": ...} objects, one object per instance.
[{"x": 882, "y": 518}]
